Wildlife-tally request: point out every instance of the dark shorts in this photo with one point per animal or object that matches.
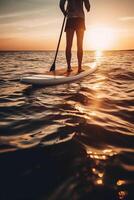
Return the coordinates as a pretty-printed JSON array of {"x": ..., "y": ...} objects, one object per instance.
[{"x": 75, "y": 23}]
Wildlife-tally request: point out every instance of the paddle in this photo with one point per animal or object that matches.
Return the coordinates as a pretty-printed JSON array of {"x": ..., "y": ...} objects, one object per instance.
[{"x": 54, "y": 63}]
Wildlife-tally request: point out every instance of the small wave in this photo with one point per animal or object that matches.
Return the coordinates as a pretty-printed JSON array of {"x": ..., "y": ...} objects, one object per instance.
[{"x": 32, "y": 60}]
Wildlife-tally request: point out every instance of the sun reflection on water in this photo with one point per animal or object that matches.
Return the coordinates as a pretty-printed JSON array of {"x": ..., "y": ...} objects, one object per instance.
[
  {"x": 98, "y": 56},
  {"x": 99, "y": 182},
  {"x": 121, "y": 182},
  {"x": 100, "y": 155},
  {"x": 99, "y": 53},
  {"x": 122, "y": 195},
  {"x": 91, "y": 109},
  {"x": 100, "y": 158}
]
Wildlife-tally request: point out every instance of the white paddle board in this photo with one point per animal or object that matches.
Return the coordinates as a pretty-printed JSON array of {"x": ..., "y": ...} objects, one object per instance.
[{"x": 60, "y": 76}]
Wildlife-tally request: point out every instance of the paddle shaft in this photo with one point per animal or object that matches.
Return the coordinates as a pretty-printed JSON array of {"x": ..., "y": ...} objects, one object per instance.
[{"x": 59, "y": 40}]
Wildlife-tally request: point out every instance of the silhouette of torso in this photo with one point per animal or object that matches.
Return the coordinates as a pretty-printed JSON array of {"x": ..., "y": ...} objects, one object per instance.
[{"x": 75, "y": 8}]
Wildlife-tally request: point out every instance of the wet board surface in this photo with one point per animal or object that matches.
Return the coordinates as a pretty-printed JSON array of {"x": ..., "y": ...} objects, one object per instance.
[{"x": 59, "y": 76}]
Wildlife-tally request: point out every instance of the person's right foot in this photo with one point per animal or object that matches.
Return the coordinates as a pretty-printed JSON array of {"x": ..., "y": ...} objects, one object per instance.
[{"x": 80, "y": 70}]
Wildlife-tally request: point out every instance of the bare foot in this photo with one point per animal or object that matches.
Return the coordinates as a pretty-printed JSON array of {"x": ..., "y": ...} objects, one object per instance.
[
  {"x": 80, "y": 70},
  {"x": 69, "y": 70}
]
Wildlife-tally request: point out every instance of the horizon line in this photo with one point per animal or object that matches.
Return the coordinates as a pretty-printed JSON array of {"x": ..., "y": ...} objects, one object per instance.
[{"x": 35, "y": 50}]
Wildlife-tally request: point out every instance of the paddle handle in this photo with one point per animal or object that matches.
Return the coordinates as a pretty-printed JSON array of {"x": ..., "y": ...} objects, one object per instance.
[{"x": 59, "y": 39}]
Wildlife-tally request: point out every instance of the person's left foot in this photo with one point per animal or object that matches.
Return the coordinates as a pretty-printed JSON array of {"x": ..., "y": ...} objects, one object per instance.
[{"x": 69, "y": 70}]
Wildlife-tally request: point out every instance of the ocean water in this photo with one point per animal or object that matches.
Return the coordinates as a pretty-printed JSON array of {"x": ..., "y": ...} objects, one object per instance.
[{"x": 68, "y": 142}]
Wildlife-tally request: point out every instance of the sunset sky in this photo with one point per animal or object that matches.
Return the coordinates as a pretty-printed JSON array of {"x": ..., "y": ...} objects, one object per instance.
[{"x": 35, "y": 25}]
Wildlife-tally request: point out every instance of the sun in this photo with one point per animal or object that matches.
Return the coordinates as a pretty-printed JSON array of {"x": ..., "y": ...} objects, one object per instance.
[{"x": 100, "y": 38}]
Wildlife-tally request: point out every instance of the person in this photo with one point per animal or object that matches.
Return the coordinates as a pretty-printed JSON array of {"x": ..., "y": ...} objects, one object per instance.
[{"x": 75, "y": 23}]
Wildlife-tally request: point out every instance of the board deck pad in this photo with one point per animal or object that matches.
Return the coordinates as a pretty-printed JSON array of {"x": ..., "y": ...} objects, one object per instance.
[
  {"x": 63, "y": 71},
  {"x": 59, "y": 76}
]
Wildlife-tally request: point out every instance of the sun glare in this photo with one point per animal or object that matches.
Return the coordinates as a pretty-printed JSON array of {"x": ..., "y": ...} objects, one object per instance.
[{"x": 100, "y": 38}]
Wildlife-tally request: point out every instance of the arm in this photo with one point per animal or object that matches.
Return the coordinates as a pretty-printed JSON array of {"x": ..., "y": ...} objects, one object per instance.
[
  {"x": 87, "y": 5},
  {"x": 62, "y": 6}
]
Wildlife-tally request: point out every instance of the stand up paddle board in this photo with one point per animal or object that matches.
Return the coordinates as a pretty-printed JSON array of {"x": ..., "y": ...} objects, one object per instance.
[{"x": 60, "y": 76}]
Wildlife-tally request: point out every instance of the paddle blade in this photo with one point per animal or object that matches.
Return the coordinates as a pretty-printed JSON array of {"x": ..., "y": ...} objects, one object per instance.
[{"x": 53, "y": 67}]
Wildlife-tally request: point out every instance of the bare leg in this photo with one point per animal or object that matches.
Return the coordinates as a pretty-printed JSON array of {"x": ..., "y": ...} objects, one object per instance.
[
  {"x": 69, "y": 41},
  {"x": 80, "y": 35}
]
